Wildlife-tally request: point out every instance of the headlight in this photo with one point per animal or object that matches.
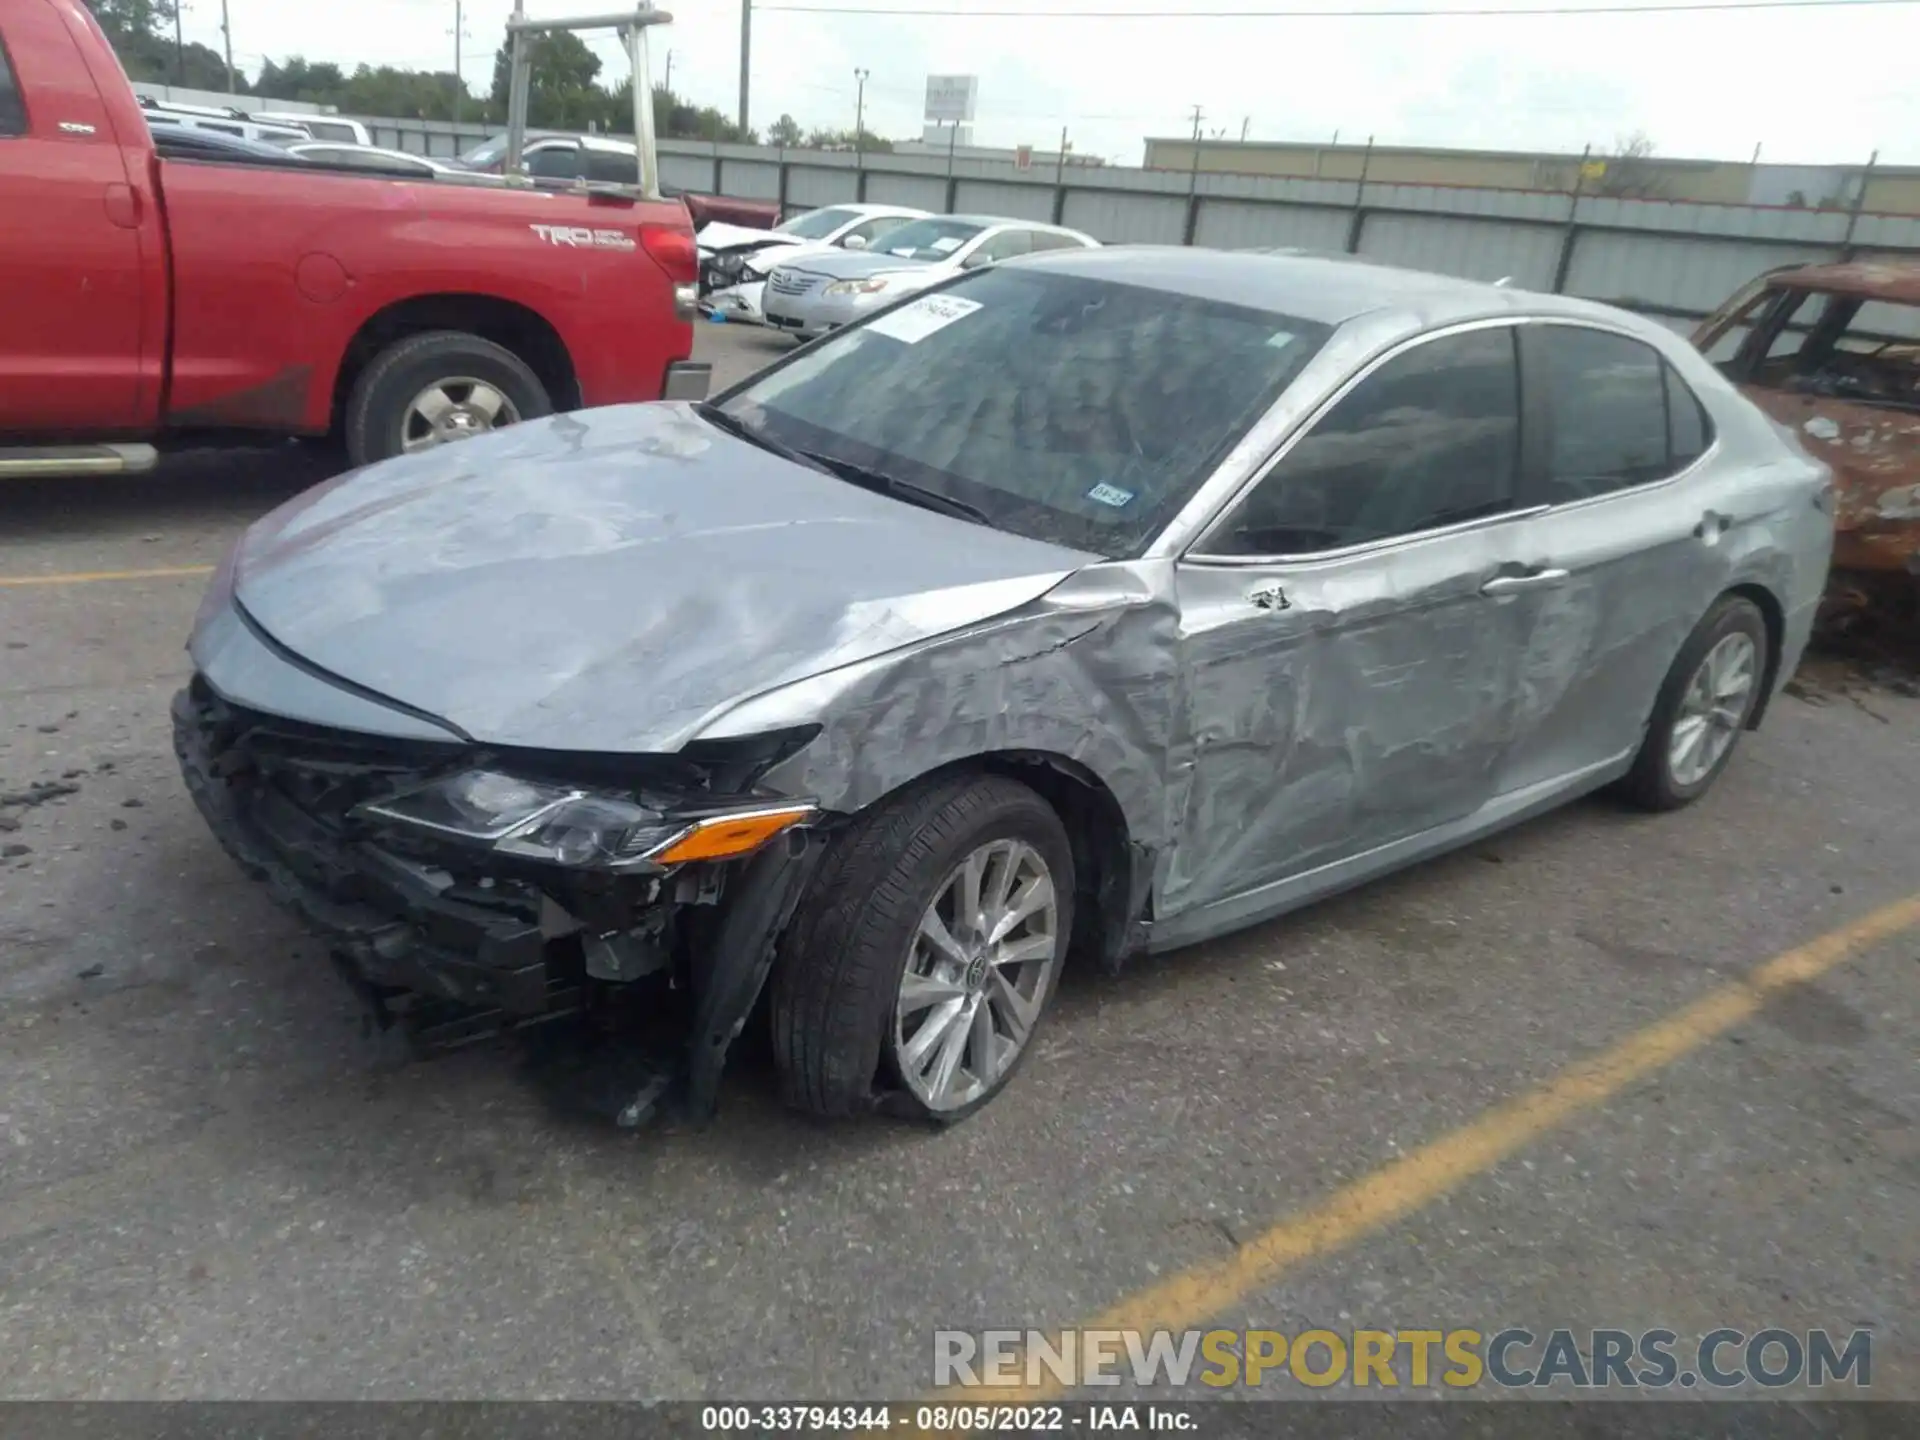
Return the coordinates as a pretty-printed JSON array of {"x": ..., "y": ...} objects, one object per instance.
[
  {"x": 561, "y": 825},
  {"x": 872, "y": 285}
]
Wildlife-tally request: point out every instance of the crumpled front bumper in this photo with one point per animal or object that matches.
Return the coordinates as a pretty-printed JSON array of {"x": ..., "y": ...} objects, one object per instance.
[
  {"x": 378, "y": 911},
  {"x": 405, "y": 935}
]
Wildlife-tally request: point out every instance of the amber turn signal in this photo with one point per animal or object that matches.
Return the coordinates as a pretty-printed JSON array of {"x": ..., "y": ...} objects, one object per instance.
[{"x": 722, "y": 837}]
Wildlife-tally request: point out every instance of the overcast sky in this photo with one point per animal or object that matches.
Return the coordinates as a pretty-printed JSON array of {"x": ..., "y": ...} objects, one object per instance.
[{"x": 1809, "y": 85}]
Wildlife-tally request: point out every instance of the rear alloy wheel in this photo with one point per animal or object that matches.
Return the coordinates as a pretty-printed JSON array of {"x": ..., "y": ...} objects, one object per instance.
[
  {"x": 924, "y": 954},
  {"x": 1704, "y": 704},
  {"x": 435, "y": 388}
]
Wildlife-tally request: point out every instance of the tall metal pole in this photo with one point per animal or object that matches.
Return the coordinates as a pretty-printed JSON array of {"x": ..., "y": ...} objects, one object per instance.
[
  {"x": 179, "y": 48},
  {"x": 953, "y": 137},
  {"x": 226, "y": 36},
  {"x": 459, "y": 74},
  {"x": 1060, "y": 160},
  {"x": 859, "y": 117},
  {"x": 668, "y": 87},
  {"x": 746, "y": 52}
]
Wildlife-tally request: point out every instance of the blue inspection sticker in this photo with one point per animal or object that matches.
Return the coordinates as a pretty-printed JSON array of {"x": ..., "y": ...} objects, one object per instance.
[{"x": 1111, "y": 495}]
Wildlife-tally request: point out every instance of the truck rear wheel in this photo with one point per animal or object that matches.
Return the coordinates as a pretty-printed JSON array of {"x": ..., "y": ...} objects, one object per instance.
[{"x": 434, "y": 388}]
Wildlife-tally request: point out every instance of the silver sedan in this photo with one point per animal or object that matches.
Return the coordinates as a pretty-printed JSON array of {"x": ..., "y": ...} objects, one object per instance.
[
  {"x": 810, "y": 295},
  {"x": 1065, "y": 608}
]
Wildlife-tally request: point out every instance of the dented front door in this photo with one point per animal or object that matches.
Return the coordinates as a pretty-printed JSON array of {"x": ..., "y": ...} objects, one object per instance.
[{"x": 1338, "y": 706}]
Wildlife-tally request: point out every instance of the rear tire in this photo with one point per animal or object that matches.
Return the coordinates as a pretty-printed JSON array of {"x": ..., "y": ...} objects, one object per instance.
[
  {"x": 837, "y": 988},
  {"x": 381, "y": 415},
  {"x": 1705, "y": 702}
]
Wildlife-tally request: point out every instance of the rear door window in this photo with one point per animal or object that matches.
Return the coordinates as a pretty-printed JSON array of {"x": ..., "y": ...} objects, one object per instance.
[
  {"x": 554, "y": 162},
  {"x": 1607, "y": 397},
  {"x": 611, "y": 168},
  {"x": 13, "y": 110}
]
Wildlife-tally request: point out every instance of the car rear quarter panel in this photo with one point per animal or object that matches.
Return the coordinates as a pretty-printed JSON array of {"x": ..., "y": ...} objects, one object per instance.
[{"x": 276, "y": 271}]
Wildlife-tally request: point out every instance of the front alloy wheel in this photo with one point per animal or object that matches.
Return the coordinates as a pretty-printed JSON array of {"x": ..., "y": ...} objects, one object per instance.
[
  {"x": 980, "y": 967},
  {"x": 924, "y": 953}
]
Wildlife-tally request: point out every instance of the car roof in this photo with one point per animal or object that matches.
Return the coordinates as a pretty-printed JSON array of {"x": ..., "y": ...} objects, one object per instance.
[
  {"x": 1868, "y": 279},
  {"x": 994, "y": 220},
  {"x": 1330, "y": 289}
]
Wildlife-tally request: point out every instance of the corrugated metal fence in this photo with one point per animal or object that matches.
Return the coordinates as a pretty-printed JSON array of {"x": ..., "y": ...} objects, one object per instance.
[{"x": 1666, "y": 258}]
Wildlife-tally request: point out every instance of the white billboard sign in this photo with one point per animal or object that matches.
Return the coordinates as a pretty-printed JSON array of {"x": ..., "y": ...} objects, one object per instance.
[{"x": 951, "y": 98}]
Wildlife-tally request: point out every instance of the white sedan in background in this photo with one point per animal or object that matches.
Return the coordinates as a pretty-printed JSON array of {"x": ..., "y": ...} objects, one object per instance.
[
  {"x": 812, "y": 294},
  {"x": 736, "y": 260}
]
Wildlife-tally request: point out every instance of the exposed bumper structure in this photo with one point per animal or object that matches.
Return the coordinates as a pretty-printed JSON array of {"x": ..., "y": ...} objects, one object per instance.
[{"x": 457, "y": 945}]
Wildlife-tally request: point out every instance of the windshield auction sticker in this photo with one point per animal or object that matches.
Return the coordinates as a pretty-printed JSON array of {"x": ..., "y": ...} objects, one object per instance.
[{"x": 911, "y": 324}]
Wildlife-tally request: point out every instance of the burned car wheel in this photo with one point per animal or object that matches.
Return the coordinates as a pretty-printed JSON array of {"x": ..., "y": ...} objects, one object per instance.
[
  {"x": 926, "y": 952},
  {"x": 1704, "y": 704},
  {"x": 438, "y": 387}
]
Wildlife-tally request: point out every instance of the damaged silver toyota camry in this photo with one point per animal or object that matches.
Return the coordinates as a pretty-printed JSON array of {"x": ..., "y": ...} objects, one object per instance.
[{"x": 1067, "y": 608}]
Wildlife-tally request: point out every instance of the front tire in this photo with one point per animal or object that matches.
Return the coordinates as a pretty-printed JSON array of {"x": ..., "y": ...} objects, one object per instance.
[
  {"x": 1703, "y": 705},
  {"x": 926, "y": 953},
  {"x": 436, "y": 387}
]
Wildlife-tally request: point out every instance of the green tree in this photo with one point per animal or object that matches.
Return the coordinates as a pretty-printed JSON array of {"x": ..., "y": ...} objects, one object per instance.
[
  {"x": 846, "y": 140},
  {"x": 561, "y": 93},
  {"x": 141, "y": 33},
  {"x": 785, "y": 131}
]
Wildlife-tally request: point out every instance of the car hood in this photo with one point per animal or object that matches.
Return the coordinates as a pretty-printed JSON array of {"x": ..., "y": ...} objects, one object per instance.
[
  {"x": 611, "y": 580},
  {"x": 718, "y": 235},
  {"x": 854, "y": 264}
]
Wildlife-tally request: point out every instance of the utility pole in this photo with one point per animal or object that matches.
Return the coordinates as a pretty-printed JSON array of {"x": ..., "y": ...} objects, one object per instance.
[
  {"x": 860, "y": 117},
  {"x": 746, "y": 51},
  {"x": 459, "y": 69},
  {"x": 1193, "y": 174},
  {"x": 1060, "y": 160},
  {"x": 226, "y": 35},
  {"x": 953, "y": 138},
  {"x": 179, "y": 47},
  {"x": 1244, "y": 125},
  {"x": 668, "y": 87}
]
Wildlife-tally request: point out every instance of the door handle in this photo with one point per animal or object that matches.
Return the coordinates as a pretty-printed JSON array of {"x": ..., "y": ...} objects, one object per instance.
[
  {"x": 1713, "y": 524},
  {"x": 1517, "y": 584}
]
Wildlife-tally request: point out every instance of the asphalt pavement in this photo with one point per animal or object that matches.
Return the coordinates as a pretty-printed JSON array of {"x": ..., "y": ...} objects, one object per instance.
[{"x": 216, "y": 1182}]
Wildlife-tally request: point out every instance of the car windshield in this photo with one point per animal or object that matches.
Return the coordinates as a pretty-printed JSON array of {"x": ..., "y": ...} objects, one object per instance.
[
  {"x": 1076, "y": 411},
  {"x": 817, "y": 224},
  {"x": 934, "y": 239},
  {"x": 487, "y": 152}
]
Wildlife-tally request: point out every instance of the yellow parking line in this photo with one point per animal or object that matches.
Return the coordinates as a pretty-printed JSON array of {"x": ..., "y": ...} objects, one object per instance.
[
  {"x": 1398, "y": 1189},
  {"x": 90, "y": 577}
]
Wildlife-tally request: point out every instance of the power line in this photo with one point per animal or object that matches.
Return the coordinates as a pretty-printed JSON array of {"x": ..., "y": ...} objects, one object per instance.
[{"x": 1668, "y": 7}]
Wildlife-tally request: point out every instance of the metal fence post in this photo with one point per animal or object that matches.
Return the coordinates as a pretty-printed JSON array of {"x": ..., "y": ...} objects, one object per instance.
[
  {"x": 1859, "y": 204},
  {"x": 1359, "y": 221},
  {"x": 781, "y": 192},
  {"x": 1570, "y": 237}
]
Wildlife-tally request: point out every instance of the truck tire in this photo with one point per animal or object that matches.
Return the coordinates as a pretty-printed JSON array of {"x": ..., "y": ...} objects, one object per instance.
[
  {"x": 841, "y": 1019},
  {"x": 437, "y": 386}
]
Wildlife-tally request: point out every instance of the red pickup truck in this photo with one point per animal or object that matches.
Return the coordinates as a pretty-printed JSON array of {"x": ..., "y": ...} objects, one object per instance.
[{"x": 150, "y": 299}]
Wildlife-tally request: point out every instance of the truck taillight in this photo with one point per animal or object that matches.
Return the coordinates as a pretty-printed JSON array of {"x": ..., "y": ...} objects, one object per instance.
[{"x": 674, "y": 251}]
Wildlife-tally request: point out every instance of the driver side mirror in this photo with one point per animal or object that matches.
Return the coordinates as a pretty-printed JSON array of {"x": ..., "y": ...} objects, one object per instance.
[{"x": 854, "y": 242}]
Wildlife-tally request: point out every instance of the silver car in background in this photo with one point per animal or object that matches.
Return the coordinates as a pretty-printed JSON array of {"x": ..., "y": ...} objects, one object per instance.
[
  {"x": 1066, "y": 607},
  {"x": 813, "y": 294}
]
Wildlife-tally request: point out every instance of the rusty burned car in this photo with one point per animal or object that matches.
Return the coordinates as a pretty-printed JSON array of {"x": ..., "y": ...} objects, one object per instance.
[
  {"x": 1065, "y": 608},
  {"x": 1832, "y": 352}
]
